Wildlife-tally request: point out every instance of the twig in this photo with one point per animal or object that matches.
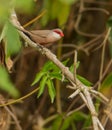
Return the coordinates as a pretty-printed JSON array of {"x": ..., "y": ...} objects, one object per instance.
[
  {"x": 82, "y": 9},
  {"x": 33, "y": 20},
  {"x": 50, "y": 119},
  {"x": 96, "y": 9},
  {"x": 98, "y": 2},
  {"x": 80, "y": 14},
  {"x": 11, "y": 114},
  {"x": 75, "y": 65},
  {"x": 104, "y": 74},
  {"x": 75, "y": 110},
  {"x": 107, "y": 113},
  {"x": 99, "y": 95},
  {"x": 58, "y": 97},
  {"x": 74, "y": 94},
  {"x": 103, "y": 55},
  {"x": 19, "y": 99},
  {"x": 14, "y": 118}
]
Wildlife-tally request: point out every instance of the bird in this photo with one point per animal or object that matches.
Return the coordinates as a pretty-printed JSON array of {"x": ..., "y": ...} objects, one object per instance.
[{"x": 44, "y": 36}]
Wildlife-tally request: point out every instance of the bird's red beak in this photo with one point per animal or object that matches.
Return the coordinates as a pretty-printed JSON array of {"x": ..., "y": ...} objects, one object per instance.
[
  {"x": 59, "y": 32},
  {"x": 62, "y": 34}
]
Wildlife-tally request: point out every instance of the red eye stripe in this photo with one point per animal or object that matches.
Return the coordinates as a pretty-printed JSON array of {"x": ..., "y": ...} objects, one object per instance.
[{"x": 59, "y": 32}]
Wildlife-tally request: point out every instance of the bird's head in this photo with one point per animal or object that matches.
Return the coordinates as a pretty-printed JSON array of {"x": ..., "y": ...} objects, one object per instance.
[
  {"x": 54, "y": 35},
  {"x": 58, "y": 32}
]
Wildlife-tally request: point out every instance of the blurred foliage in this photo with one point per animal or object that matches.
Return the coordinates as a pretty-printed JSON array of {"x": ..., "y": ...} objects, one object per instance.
[
  {"x": 11, "y": 35},
  {"x": 4, "y": 10},
  {"x": 109, "y": 21},
  {"x": 57, "y": 9},
  {"x": 107, "y": 82},
  {"x": 25, "y": 6},
  {"x": 106, "y": 85},
  {"x": 84, "y": 81},
  {"x": 70, "y": 121},
  {"x": 6, "y": 84}
]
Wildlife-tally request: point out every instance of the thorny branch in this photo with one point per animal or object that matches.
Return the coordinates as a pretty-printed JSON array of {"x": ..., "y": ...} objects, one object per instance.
[{"x": 80, "y": 88}]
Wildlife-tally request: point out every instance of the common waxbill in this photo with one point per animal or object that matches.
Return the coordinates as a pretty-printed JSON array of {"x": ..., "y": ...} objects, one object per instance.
[{"x": 44, "y": 36}]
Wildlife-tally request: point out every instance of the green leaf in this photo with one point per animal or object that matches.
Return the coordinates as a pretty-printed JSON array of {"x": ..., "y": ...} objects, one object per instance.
[
  {"x": 44, "y": 20},
  {"x": 57, "y": 123},
  {"x": 48, "y": 66},
  {"x": 66, "y": 61},
  {"x": 38, "y": 77},
  {"x": 55, "y": 11},
  {"x": 6, "y": 84},
  {"x": 79, "y": 116},
  {"x": 42, "y": 85},
  {"x": 109, "y": 22},
  {"x": 51, "y": 66},
  {"x": 46, "y": 5},
  {"x": 27, "y": 6},
  {"x": 66, "y": 124},
  {"x": 72, "y": 67},
  {"x": 51, "y": 70},
  {"x": 107, "y": 83},
  {"x": 55, "y": 75},
  {"x": 12, "y": 38},
  {"x": 87, "y": 122},
  {"x": 76, "y": 116},
  {"x": 51, "y": 89},
  {"x": 4, "y": 10},
  {"x": 63, "y": 15},
  {"x": 84, "y": 81}
]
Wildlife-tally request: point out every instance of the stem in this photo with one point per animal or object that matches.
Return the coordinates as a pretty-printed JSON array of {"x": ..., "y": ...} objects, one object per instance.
[{"x": 103, "y": 56}]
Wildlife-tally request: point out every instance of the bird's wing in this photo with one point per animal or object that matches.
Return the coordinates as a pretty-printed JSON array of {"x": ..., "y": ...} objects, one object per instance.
[
  {"x": 38, "y": 36},
  {"x": 41, "y": 33}
]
